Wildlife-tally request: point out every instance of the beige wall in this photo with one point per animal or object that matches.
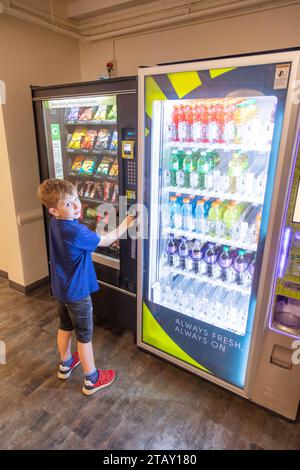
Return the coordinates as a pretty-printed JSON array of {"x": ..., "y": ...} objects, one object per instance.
[
  {"x": 30, "y": 55},
  {"x": 278, "y": 28}
]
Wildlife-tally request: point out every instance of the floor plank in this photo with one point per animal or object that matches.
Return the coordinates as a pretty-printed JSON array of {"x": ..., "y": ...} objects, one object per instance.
[{"x": 152, "y": 405}]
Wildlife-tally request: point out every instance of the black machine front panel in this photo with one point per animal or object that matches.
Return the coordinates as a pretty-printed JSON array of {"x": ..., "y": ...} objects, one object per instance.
[{"x": 127, "y": 145}]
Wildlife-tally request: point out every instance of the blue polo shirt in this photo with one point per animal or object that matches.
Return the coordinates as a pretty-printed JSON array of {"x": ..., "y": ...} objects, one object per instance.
[{"x": 72, "y": 272}]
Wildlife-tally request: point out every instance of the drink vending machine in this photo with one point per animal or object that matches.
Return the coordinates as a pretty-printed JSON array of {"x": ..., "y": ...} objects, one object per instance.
[
  {"x": 216, "y": 159},
  {"x": 86, "y": 133}
]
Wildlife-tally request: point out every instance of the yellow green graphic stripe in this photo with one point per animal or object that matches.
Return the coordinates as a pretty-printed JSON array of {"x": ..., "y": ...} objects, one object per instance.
[{"x": 154, "y": 335}]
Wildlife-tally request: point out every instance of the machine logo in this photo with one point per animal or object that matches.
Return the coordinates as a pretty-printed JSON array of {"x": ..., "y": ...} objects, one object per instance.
[{"x": 296, "y": 354}]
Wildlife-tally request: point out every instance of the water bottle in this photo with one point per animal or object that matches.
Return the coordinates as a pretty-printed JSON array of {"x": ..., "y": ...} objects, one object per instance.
[
  {"x": 200, "y": 220},
  {"x": 196, "y": 256},
  {"x": 187, "y": 215},
  {"x": 183, "y": 253},
  {"x": 172, "y": 211},
  {"x": 240, "y": 266},
  {"x": 210, "y": 258},
  {"x": 225, "y": 262}
]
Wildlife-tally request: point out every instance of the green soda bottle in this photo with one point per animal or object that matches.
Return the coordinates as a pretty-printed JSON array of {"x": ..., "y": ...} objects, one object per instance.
[
  {"x": 187, "y": 169},
  {"x": 203, "y": 169},
  {"x": 174, "y": 166}
]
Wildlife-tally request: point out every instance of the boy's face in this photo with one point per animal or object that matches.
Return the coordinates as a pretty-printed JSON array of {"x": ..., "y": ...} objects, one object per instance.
[{"x": 68, "y": 208}]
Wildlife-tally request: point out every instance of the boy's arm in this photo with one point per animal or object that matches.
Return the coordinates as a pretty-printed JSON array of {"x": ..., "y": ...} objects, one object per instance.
[{"x": 110, "y": 237}]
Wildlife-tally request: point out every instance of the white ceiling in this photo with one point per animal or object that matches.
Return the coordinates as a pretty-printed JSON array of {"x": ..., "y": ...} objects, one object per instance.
[{"x": 91, "y": 20}]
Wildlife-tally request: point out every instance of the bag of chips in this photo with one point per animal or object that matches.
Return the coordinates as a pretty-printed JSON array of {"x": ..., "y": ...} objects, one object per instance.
[
  {"x": 73, "y": 114},
  {"x": 85, "y": 114},
  {"x": 111, "y": 113},
  {"x": 114, "y": 168},
  {"x": 88, "y": 166},
  {"x": 103, "y": 168},
  {"x": 89, "y": 139},
  {"x": 77, "y": 164},
  {"x": 100, "y": 114},
  {"x": 102, "y": 139},
  {"x": 114, "y": 141},
  {"x": 77, "y": 138}
]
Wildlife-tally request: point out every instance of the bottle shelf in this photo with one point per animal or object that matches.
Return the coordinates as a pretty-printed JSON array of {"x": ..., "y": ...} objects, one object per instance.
[
  {"x": 178, "y": 233},
  {"x": 93, "y": 176},
  {"x": 165, "y": 270},
  {"x": 215, "y": 194},
  {"x": 91, "y": 152},
  {"x": 90, "y": 122},
  {"x": 200, "y": 315},
  {"x": 219, "y": 146}
]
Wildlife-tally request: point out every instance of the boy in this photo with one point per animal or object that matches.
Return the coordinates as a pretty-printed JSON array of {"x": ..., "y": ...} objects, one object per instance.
[{"x": 73, "y": 279}]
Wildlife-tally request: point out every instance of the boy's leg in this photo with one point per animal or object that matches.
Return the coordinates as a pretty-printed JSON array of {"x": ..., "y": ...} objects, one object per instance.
[
  {"x": 68, "y": 361},
  {"x": 64, "y": 344},
  {"x": 86, "y": 354},
  {"x": 81, "y": 313}
]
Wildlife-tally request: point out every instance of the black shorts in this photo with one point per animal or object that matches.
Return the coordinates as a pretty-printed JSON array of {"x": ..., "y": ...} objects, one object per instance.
[{"x": 77, "y": 316}]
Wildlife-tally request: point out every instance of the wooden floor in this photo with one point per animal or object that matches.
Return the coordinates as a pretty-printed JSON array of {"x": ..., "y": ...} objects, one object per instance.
[{"x": 151, "y": 405}]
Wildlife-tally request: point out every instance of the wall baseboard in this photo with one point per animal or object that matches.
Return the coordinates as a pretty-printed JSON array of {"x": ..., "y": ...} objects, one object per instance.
[
  {"x": 27, "y": 289},
  {"x": 3, "y": 274}
]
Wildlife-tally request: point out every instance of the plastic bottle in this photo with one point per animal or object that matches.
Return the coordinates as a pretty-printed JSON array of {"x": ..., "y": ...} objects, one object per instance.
[
  {"x": 196, "y": 125},
  {"x": 178, "y": 212},
  {"x": 235, "y": 170},
  {"x": 239, "y": 121},
  {"x": 196, "y": 256},
  {"x": 174, "y": 166},
  {"x": 189, "y": 112},
  {"x": 180, "y": 172},
  {"x": 200, "y": 219},
  {"x": 210, "y": 258},
  {"x": 240, "y": 266},
  {"x": 257, "y": 225},
  {"x": 212, "y": 121},
  {"x": 172, "y": 211},
  {"x": 187, "y": 169},
  {"x": 187, "y": 214},
  {"x": 174, "y": 124},
  {"x": 230, "y": 217},
  {"x": 229, "y": 122},
  {"x": 194, "y": 179},
  {"x": 183, "y": 130},
  {"x": 214, "y": 217},
  {"x": 204, "y": 117},
  {"x": 203, "y": 169},
  {"x": 207, "y": 205},
  {"x": 225, "y": 262},
  {"x": 171, "y": 249},
  {"x": 183, "y": 252}
]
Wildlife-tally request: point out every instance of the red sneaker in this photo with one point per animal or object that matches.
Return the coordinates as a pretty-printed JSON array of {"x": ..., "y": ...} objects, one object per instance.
[
  {"x": 106, "y": 377},
  {"x": 64, "y": 372}
]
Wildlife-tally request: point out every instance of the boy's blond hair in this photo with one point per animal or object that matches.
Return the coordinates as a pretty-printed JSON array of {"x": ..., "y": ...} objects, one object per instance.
[{"x": 53, "y": 190}]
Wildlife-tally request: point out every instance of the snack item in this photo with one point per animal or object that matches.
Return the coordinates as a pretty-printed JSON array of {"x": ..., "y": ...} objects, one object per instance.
[
  {"x": 89, "y": 139},
  {"x": 102, "y": 139},
  {"x": 98, "y": 191},
  {"x": 88, "y": 166},
  {"x": 103, "y": 168},
  {"x": 85, "y": 114},
  {"x": 111, "y": 112},
  {"x": 73, "y": 114},
  {"x": 77, "y": 138},
  {"x": 115, "y": 194},
  {"x": 114, "y": 141},
  {"x": 88, "y": 189},
  {"x": 100, "y": 114},
  {"x": 77, "y": 164},
  {"x": 91, "y": 212},
  {"x": 106, "y": 190},
  {"x": 114, "y": 168}
]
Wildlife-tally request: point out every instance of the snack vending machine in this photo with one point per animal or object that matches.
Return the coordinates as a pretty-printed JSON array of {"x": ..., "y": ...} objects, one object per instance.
[
  {"x": 216, "y": 159},
  {"x": 86, "y": 133}
]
